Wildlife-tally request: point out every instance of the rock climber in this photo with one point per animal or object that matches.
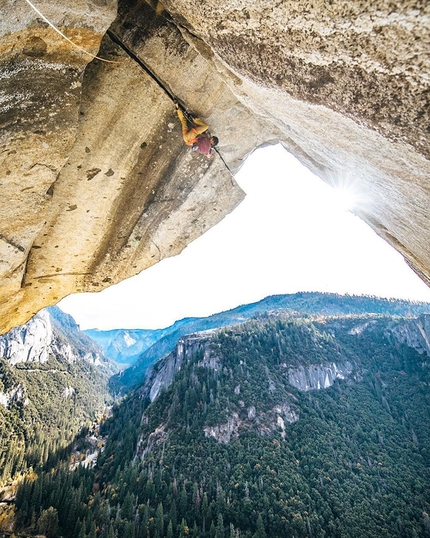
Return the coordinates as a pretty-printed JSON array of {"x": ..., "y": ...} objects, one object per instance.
[{"x": 196, "y": 136}]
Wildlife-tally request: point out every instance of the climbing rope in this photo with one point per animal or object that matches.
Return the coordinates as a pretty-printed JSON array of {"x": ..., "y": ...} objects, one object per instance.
[
  {"x": 222, "y": 158},
  {"x": 131, "y": 54},
  {"x": 174, "y": 100},
  {"x": 93, "y": 56}
]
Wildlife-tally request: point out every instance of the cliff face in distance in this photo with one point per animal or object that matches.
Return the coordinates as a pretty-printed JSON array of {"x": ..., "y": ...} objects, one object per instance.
[
  {"x": 271, "y": 427},
  {"x": 96, "y": 182},
  {"x": 53, "y": 381}
]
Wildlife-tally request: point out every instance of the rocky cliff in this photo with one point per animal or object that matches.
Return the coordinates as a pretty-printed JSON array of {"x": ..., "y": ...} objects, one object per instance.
[
  {"x": 53, "y": 381},
  {"x": 96, "y": 182},
  {"x": 51, "y": 333},
  {"x": 415, "y": 333},
  {"x": 155, "y": 345},
  {"x": 253, "y": 376},
  {"x": 318, "y": 376},
  {"x": 311, "y": 376},
  {"x": 162, "y": 374}
]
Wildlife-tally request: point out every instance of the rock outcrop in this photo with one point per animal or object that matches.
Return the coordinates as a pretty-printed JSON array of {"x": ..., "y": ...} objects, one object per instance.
[
  {"x": 163, "y": 372},
  {"x": 414, "y": 333},
  {"x": 96, "y": 182},
  {"x": 303, "y": 378},
  {"x": 318, "y": 376},
  {"x": 51, "y": 333},
  {"x": 30, "y": 342},
  {"x": 15, "y": 394}
]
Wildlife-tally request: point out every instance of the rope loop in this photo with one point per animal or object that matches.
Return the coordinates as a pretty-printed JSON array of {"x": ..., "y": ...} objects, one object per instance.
[{"x": 93, "y": 56}]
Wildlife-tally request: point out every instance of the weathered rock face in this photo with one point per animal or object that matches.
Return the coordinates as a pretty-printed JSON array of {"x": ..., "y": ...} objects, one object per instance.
[
  {"x": 30, "y": 342},
  {"x": 96, "y": 182},
  {"x": 40, "y": 94},
  {"x": 318, "y": 376},
  {"x": 348, "y": 85},
  {"x": 15, "y": 394},
  {"x": 163, "y": 372},
  {"x": 51, "y": 333},
  {"x": 415, "y": 333},
  {"x": 124, "y": 192}
]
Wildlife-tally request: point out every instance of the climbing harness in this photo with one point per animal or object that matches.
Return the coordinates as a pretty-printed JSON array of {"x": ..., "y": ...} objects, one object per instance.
[{"x": 93, "y": 56}]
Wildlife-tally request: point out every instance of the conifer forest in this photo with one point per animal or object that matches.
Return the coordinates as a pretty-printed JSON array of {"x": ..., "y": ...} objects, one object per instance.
[{"x": 295, "y": 426}]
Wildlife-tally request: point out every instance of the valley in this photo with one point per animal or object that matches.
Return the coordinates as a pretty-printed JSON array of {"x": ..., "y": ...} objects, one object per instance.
[{"x": 288, "y": 423}]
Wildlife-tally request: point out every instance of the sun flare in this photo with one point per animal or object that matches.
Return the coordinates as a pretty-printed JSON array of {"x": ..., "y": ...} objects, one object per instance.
[{"x": 344, "y": 198}]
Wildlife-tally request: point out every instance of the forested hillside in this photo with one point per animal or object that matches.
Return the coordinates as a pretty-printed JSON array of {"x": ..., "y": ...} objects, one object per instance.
[
  {"x": 159, "y": 343},
  {"x": 277, "y": 427},
  {"x": 53, "y": 381}
]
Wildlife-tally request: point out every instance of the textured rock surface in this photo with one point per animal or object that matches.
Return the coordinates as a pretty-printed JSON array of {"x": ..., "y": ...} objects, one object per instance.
[
  {"x": 15, "y": 394},
  {"x": 124, "y": 191},
  {"x": 415, "y": 333},
  {"x": 51, "y": 333},
  {"x": 40, "y": 94},
  {"x": 162, "y": 374},
  {"x": 30, "y": 342},
  {"x": 318, "y": 376},
  {"x": 348, "y": 85},
  {"x": 223, "y": 433},
  {"x": 95, "y": 180}
]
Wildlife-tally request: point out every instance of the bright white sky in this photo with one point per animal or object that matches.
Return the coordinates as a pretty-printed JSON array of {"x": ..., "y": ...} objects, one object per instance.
[{"x": 291, "y": 233}]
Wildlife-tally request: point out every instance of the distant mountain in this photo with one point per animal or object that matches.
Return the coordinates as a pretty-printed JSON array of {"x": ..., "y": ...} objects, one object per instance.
[
  {"x": 52, "y": 333},
  {"x": 53, "y": 380},
  {"x": 298, "y": 304},
  {"x": 279, "y": 426},
  {"x": 125, "y": 346}
]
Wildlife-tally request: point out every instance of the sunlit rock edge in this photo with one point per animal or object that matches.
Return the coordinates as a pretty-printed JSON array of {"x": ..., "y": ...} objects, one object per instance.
[{"x": 96, "y": 182}]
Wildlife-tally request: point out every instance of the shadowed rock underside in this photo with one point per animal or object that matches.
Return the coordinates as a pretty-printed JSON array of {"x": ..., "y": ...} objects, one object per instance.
[{"x": 96, "y": 182}]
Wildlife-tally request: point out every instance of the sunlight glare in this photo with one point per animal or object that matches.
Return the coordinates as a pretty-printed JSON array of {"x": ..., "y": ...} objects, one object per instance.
[
  {"x": 288, "y": 235},
  {"x": 344, "y": 198}
]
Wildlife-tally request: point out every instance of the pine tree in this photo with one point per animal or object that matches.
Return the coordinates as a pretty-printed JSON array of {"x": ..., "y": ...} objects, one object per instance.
[
  {"x": 48, "y": 522},
  {"x": 183, "y": 501},
  {"x": 93, "y": 530},
  {"x": 127, "y": 506},
  {"x": 82, "y": 533},
  {"x": 76, "y": 528},
  {"x": 173, "y": 514},
  {"x": 129, "y": 530},
  {"x": 72, "y": 514},
  {"x": 36, "y": 497},
  {"x": 220, "y": 527},
  {"x": 159, "y": 520},
  {"x": 261, "y": 531}
]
